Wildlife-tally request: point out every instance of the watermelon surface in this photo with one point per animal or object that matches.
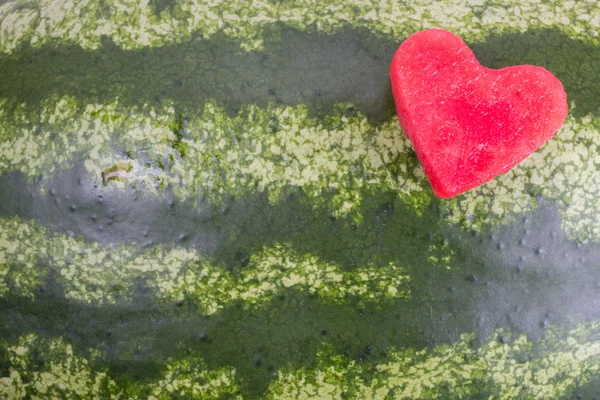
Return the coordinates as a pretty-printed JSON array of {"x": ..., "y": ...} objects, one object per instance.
[{"x": 215, "y": 200}]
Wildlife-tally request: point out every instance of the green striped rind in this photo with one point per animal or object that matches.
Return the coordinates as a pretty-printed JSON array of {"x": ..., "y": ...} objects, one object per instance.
[
  {"x": 505, "y": 367},
  {"x": 339, "y": 153},
  {"x": 190, "y": 378},
  {"x": 70, "y": 376},
  {"x": 135, "y": 23},
  {"x": 45, "y": 140},
  {"x": 63, "y": 373},
  {"x": 90, "y": 273},
  {"x": 216, "y": 156}
]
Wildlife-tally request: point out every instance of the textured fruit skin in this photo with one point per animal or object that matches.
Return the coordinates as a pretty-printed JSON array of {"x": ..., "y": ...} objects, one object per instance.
[
  {"x": 469, "y": 123},
  {"x": 162, "y": 234}
]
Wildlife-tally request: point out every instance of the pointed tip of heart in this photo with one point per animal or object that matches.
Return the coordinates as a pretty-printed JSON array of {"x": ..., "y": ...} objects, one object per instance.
[
  {"x": 446, "y": 194},
  {"x": 468, "y": 123}
]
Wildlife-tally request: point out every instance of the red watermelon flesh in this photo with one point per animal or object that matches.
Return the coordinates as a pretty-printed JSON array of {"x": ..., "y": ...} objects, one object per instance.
[{"x": 469, "y": 123}]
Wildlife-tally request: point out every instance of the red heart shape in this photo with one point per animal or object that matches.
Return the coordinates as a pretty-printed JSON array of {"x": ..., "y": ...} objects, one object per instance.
[{"x": 469, "y": 123}]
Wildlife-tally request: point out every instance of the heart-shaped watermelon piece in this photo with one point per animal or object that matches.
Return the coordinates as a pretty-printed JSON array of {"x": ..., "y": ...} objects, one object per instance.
[{"x": 469, "y": 123}]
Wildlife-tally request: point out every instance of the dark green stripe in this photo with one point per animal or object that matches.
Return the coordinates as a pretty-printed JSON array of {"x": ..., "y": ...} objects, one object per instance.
[
  {"x": 295, "y": 68},
  {"x": 390, "y": 232},
  {"x": 505, "y": 366},
  {"x": 159, "y": 6},
  {"x": 75, "y": 205},
  {"x": 585, "y": 391},
  {"x": 490, "y": 287}
]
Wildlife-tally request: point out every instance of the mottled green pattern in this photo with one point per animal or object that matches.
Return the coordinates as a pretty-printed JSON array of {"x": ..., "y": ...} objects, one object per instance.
[
  {"x": 135, "y": 24},
  {"x": 64, "y": 374},
  {"x": 69, "y": 376},
  {"x": 216, "y": 156},
  {"x": 316, "y": 262},
  {"x": 190, "y": 378},
  {"x": 41, "y": 142},
  {"x": 89, "y": 273},
  {"x": 505, "y": 368}
]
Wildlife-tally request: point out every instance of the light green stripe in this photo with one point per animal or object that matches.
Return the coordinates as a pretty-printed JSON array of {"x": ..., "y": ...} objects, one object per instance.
[
  {"x": 68, "y": 376},
  {"x": 191, "y": 379},
  {"x": 268, "y": 149},
  {"x": 92, "y": 274},
  {"x": 260, "y": 149},
  {"x": 63, "y": 373},
  {"x": 505, "y": 367},
  {"x": 36, "y": 142},
  {"x": 134, "y": 24}
]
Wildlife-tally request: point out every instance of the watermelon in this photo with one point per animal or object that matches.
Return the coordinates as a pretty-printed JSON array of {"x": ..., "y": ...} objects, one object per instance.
[
  {"x": 216, "y": 200},
  {"x": 469, "y": 123}
]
